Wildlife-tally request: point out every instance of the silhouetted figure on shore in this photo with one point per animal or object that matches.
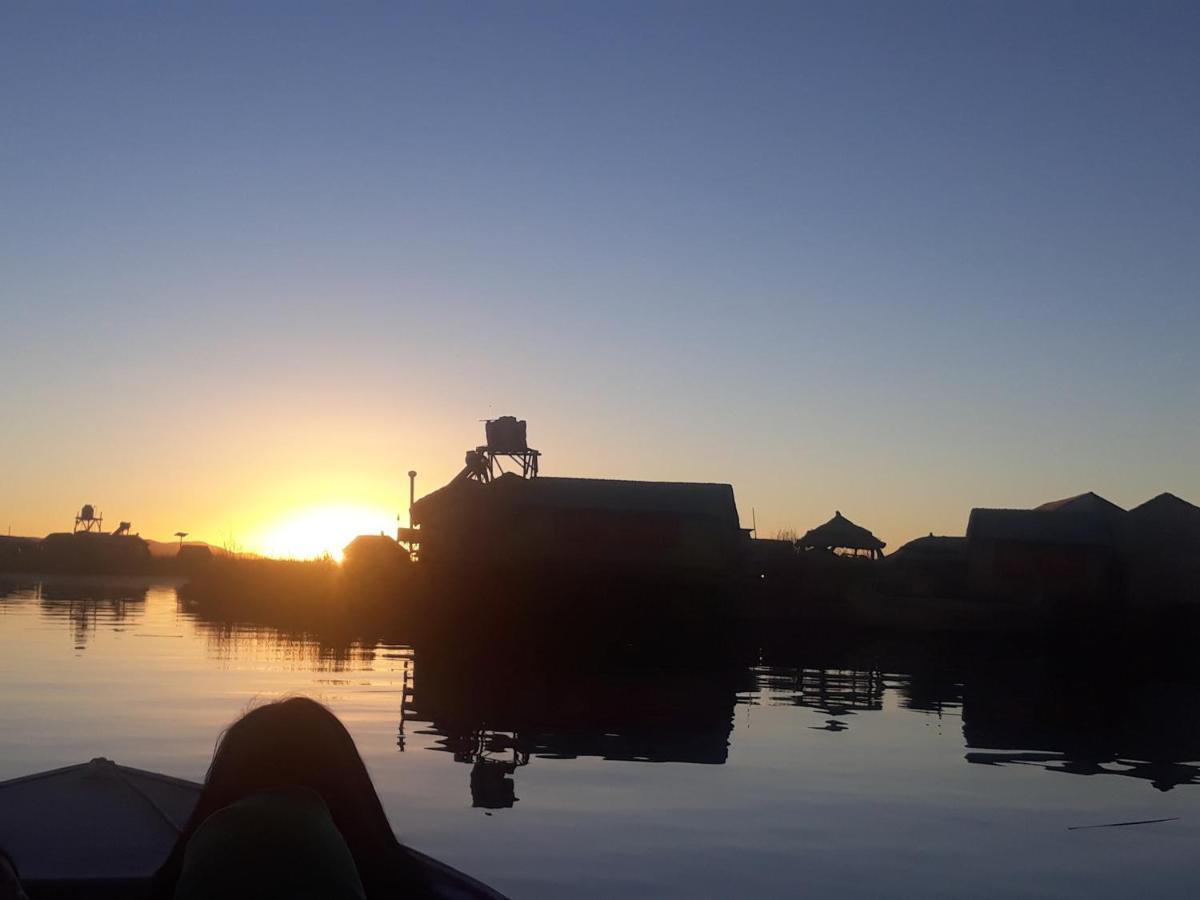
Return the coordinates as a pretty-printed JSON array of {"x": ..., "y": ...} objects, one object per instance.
[{"x": 288, "y": 810}]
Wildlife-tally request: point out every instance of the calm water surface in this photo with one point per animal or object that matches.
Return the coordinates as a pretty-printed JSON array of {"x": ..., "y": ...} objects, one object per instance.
[{"x": 853, "y": 772}]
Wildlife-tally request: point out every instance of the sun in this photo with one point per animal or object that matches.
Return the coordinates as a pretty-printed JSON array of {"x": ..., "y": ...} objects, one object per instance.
[{"x": 322, "y": 530}]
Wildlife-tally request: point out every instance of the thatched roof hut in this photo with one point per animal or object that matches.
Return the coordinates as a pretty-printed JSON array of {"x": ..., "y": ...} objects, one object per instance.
[
  {"x": 839, "y": 533},
  {"x": 934, "y": 548}
]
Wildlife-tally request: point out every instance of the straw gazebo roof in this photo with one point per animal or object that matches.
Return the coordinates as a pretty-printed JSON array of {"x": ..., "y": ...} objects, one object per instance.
[{"x": 840, "y": 533}]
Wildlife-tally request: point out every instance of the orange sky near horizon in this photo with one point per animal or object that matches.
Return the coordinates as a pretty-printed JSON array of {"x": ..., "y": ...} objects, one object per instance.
[
  {"x": 896, "y": 260},
  {"x": 305, "y": 498}
]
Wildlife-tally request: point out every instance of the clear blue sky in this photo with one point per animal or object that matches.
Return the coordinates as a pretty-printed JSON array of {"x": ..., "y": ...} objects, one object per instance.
[{"x": 897, "y": 259}]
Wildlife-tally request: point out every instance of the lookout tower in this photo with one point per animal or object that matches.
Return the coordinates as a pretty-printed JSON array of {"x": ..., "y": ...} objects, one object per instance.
[
  {"x": 506, "y": 440},
  {"x": 88, "y": 519}
]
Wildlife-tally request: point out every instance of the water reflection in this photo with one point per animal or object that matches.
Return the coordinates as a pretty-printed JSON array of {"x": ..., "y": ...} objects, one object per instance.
[
  {"x": 84, "y": 605},
  {"x": 1099, "y": 712},
  {"x": 227, "y": 641},
  {"x": 834, "y": 692},
  {"x": 1088, "y": 717},
  {"x": 498, "y": 713}
]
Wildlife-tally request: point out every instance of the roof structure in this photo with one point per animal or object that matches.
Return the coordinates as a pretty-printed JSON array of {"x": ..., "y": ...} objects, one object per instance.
[
  {"x": 840, "y": 533},
  {"x": 711, "y": 501},
  {"x": 1166, "y": 521},
  {"x": 931, "y": 548},
  {"x": 1034, "y": 526},
  {"x": 1165, "y": 507},
  {"x": 1089, "y": 502}
]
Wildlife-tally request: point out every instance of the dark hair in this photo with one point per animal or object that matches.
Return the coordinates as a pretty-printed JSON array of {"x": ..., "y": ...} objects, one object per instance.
[{"x": 300, "y": 742}]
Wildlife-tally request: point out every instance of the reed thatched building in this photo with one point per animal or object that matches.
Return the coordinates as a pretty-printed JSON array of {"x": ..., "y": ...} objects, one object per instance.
[
  {"x": 840, "y": 534},
  {"x": 1160, "y": 548},
  {"x": 582, "y": 525},
  {"x": 1041, "y": 556}
]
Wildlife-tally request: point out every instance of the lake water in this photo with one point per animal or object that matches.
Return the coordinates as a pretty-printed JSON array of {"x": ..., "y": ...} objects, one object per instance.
[{"x": 853, "y": 769}]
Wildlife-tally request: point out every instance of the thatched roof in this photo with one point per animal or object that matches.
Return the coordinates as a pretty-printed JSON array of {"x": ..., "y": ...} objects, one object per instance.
[
  {"x": 840, "y": 532},
  {"x": 1090, "y": 502},
  {"x": 933, "y": 547}
]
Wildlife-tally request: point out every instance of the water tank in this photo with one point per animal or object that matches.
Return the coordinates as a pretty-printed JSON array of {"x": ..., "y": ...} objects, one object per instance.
[
  {"x": 506, "y": 435},
  {"x": 87, "y": 513}
]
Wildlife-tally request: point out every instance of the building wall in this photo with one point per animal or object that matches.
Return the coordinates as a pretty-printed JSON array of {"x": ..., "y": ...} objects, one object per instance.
[
  {"x": 1040, "y": 573},
  {"x": 582, "y": 537}
]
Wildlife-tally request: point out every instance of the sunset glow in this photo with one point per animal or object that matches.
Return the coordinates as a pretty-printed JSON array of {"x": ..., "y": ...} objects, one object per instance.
[
  {"x": 317, "y": 531},
  {"x": 860, "y": 288}
]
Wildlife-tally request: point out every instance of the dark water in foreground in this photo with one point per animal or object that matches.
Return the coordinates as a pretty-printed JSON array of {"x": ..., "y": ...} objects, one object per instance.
[{"x": 851, "y": 768}]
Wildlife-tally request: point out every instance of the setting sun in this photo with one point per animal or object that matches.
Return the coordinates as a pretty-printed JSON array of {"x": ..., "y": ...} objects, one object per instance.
[{"x": 321, "y": 530}]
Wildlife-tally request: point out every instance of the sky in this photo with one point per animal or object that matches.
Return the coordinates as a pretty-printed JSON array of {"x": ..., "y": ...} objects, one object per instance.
[{"x": 896, "y": 259}]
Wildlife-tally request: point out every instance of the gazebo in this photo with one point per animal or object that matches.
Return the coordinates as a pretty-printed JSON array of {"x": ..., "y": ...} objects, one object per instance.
[{"x": 840, "y": 534}]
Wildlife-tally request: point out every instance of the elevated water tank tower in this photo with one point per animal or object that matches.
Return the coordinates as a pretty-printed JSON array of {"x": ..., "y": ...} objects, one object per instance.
[
  {"x": 88, "y": 519},
  {"x": 506, "y": 440}
]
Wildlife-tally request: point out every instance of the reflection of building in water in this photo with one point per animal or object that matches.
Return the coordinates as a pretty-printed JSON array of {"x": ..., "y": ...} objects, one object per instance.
[
  {"x": 836, "y": 692},
  {"x": 1086, "y": 720},
  {"x": 930, "y": 690},
  {"x": 87, "y": 606},
  {"x": 228, "y": 640},
  {"x": 496, "y": 715},
  {"x": 493, "y": 758}
]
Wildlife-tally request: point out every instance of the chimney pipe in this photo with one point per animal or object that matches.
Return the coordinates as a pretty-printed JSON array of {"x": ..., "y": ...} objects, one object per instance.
[{"x": 412, "y": 493}]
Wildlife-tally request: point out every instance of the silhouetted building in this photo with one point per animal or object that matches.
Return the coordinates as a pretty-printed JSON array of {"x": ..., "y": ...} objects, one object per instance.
[
  {"x": 18, "y": 554},
  {"x": 932, "y": 549},
  {"x": 94, "y": 552},
  {"x": 193, "y": 555},
  {"x": 1040, "y": 557},
  {"x": 1160, "y": 546},
  {"x": 373, "y": 551},
  {"x": 930, "y": 566},
  {"x": 772, "y": 559},
  {"x": 376, "y": 565},
  {"x": 582, "y": 524}
]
